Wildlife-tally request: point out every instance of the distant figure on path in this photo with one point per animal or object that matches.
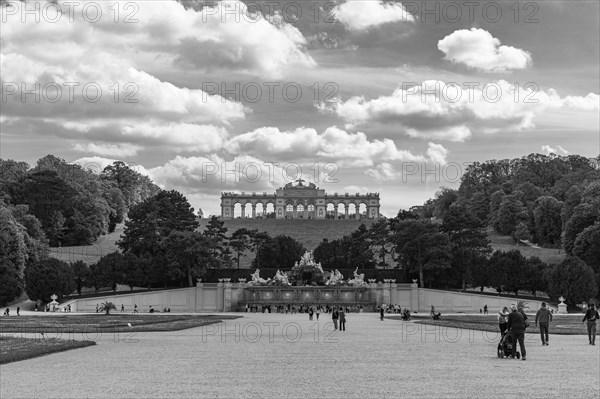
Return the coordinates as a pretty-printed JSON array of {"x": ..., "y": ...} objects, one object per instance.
[
  {"x": 97, "y": 307},
  {"x": 135, "y": 309},
  {"x": 342, "y": 319},
  {"x": 545, "y": 317},
  {"x": 122, "y": 308},
  {"x": 516, "y": 325},
  {"x": 485, "y": 311},
  {"x": 7, "y": 312},
  {"x": 18, "y": 311},
  {"x": 502, "y": 320},
  {"x": 381, "y": 312},
  {"x": 334, "y": 317},
  {"x": 591, "y": 316},
  {"x": 151, "y": 309},
  {"x": 310, "y": 313},
  {"x": 318, "y": 312},
  {"x": 432, "y": 311}
]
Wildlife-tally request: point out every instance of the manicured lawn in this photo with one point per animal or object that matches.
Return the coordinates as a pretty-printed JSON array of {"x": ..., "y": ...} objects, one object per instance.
[
  {"x": 75, "y": 323},
  {"x": 14, "y": 349},
  {"x": 561, "y": 324}
]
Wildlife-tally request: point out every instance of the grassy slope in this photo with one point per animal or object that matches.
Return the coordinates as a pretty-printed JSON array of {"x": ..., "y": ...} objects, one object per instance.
[
  {"x": 506, "y": 243},
  {"x": 308, "y": 232}
]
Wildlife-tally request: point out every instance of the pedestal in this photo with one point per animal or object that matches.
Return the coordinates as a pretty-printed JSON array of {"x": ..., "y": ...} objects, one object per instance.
[{"x": 562, "y": 308}]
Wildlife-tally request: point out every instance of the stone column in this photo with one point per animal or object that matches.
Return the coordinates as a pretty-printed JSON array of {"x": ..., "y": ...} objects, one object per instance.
[
  {"x": 386, "y": 294},
  {"x": 220, "y": 297},
  {"x": 414, "y": 296},
  {"x": 244, "y": 211},
  {"x": 227, "y": 297},
  {"x": 346, "y": 210},
  {"x": 295, "y": 212},
  {"x": 253, "y": 211}
]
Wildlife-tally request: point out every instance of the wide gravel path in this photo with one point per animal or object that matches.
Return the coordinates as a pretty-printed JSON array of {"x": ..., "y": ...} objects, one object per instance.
[{"x": 278, "y": 355}]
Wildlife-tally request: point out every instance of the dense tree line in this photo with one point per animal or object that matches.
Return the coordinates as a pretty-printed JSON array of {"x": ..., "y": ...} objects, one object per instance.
[
  {"x": 58, "y": 204},
  {"x": 73, "y": 205}
]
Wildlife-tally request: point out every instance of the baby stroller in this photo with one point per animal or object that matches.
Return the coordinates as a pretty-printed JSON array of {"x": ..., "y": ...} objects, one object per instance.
[{"x": 506, "y": 346}]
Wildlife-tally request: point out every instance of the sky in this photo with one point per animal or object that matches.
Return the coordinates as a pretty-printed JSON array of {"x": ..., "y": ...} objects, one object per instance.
[{"x": 391, "y": 97}]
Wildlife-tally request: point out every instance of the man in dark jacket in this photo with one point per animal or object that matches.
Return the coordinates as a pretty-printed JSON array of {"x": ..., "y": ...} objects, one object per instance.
[
  {"x": 516, "y": 325},
  {"x": 544, "y": 317},
  {"x": 591, "y": 316}
]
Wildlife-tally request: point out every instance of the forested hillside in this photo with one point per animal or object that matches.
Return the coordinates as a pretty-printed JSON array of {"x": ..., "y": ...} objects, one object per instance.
[{"x": 58, "y": 204}]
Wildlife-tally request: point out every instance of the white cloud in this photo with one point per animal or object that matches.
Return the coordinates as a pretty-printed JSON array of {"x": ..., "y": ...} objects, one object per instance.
[
  {"x": 437, "y": 153},
  {"x": 546, "y": 149},
  {"x": 332, "y": 145},
  {"x": 110, "y": 58},
  {"x": 115, "y": 150},
  {"x": 477, "y": 48},
  {"x": 449, "y": 111},
  {"x": 365, "y": 14}
]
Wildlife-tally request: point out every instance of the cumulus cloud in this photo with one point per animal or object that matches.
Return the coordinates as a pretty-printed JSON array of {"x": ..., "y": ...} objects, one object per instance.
[
  {"x": 90, "y": 77},
  {"x": 453, "y": 112},
  {"x": 331, "y": 145},
  {"x": 477, "y": 48},
  {"x": 365, "y": 14},
  {"x": 546, "y": 149},
  {"x": 117, "y": 150}
]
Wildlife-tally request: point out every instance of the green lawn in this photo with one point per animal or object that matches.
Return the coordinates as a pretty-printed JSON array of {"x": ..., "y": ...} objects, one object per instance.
[
  {"x": 561, "y": 324},
  {"x": 13, "y": 349},
  {"x": 100, "y": 323},
  {"x": 506, "y": 243}
]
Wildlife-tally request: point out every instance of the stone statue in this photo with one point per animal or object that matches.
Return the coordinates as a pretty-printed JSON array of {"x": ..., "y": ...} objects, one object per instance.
[
  {"x": 281, "y": 278},
  {"x": 335, "y": 278},
  {"x": 256, "y": 279},
  {"x": 359, "y": 279}
]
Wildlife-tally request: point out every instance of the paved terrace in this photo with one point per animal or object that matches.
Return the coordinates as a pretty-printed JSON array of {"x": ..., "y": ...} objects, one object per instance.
[{"x": 279, "y": 355}]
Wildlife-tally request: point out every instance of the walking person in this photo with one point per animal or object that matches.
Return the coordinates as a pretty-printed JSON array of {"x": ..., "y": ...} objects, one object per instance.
[
  {"x": 432, "y": 311},
  {"x": 516, "y": 325},
  {"x": 310, "y": 313},
  {"x": 18, "y": 311},
  {"x": 591, "y": 316},
  {"x": 485, "y": 311},
  {"x": 381, "y": 312},
  {"x": 544, "y": 317},
  {"x": 122, "y": 308},
  {"x": 318, "y": 312},
  {"x": 334, "y": 317},
  {"x": 135, "y": 309},
  {"x": 342, "y": 319},
  {"x": 502, "y": 320}
]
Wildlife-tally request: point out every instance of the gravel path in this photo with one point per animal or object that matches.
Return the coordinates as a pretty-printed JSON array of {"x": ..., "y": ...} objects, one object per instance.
[{"x": 278, "y": 355}]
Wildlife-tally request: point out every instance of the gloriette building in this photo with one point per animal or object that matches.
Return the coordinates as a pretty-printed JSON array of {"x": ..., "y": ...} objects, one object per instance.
[{"x": 300, "y": 201}]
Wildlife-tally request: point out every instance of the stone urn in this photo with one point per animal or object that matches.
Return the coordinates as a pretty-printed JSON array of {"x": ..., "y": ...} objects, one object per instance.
[{"x": 562, "y": 306}]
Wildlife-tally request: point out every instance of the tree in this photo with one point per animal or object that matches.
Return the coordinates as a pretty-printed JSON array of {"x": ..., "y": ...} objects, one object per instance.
[
  {"x": 81, "y": 273},
  {"x": 107, "y": 307},
  {"x": 421, "y": 246},
  {"x": 548, "y": 223},
  {"x": 510, "y": 213},
  {"x": 508, "y": 271},
  {"x": 536, "y": 275},
  {"x": 574, "y": 280},
  {"x": 218, "y": 242},
  {"x": 587, "y": 246},
  {"x": 106, "y": 272},
  {"x": 154, "y": 219},
  {"x": 50, "y": 276},
  {"x": 187, "y": 254},
  {"x": 13, "y": 255},
  {"x": 585, "y": 214},
  {"x": 479, "y": 273},
  {"x": 468, "y": 239},
  {"x": 521, "y": 232},
  {"x": 379, "y": 240},
  {"x": 240, "y": 243}
]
